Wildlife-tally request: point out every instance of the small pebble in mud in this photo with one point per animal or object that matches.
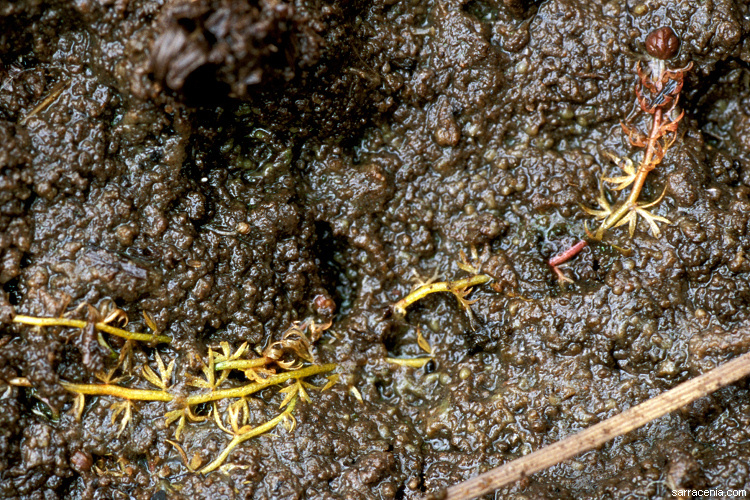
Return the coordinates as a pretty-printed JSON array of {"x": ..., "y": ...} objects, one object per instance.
[
  {"x": 81, "y": 461},
  {"x": 662, "y": 43},
  {"x": 126, "y": 233},
  {"x": 489, "y": 200},
  {"x": 413, "y": 483},
  {"x": 532, "y": 129},
  {"x": 567, "y": 113},
  {"x": 640, "y": 9},
  {"x": 448, "y": 133},
  {"x": 435, "y": 325},
  {"x": 324, "y": 305},
  {"x": 446, "y": 129}
]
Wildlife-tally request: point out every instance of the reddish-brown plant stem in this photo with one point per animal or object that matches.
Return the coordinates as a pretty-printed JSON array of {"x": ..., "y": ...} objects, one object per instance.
[
  {"x": 563, "y": 257},
  {"x": 648, "y": 164}
]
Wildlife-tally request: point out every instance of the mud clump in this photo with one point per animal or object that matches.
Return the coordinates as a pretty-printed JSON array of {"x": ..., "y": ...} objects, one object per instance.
[
  {"x": 295, "y": 65},
  {"x": 230, "y": 47}
]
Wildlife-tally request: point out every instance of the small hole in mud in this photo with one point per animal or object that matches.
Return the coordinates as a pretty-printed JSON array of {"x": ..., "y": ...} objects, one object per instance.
[
  {"x": 203, "y": 88},
  {"x": 385, "y": 390},
  {"x": 202, "y": 410},
  {"x": 187, "y": 24},
  {"x": 210, "y": 335},
  {"x": 400, "y": 493},
  {"x": 481, "y": 10},
  {"x": 391, "y": 342},
  {"x": 332, "y": 267},
  {"x": 159, "y": 495},
  {"x": 430, "y": 366},
  {"x": 14, "y": 294}
]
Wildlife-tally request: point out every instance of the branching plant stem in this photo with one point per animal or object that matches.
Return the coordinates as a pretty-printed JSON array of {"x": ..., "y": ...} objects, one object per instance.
[
  {"x": 104, "y": 327},
  {"x": 459, "y": 288},
  {"x": 117, "y": 391},
  {"x": 246, "y": 390},
  {"x": 195, "y": 399},
  {"x": 294, "y": 343},
  {"x": 647, "y": 164},
  {"x": 657, "y": 93},
  {"x": 242, "y": 364},
  {"x": 241, "y": 438}
]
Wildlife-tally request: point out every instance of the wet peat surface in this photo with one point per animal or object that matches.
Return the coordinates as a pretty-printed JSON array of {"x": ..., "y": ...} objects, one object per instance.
[{"x": 230, "y": 168}]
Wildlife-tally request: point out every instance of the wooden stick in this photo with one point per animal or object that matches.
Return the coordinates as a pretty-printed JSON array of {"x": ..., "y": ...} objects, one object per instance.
[{"x": 598, "y": 434}]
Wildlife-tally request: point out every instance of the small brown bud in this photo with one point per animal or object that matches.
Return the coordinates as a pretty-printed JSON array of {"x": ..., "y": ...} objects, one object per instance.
[
  {"x": 324, "y": 305},
  {"x": 81, "y": 461},
  {"x": 662, "y": 43}
]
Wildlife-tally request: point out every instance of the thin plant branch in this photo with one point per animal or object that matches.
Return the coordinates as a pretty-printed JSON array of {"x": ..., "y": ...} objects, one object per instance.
[
  {"x": 195, "y": 399},
  {"x": 240, "y": 438},
  {"x": 77, "y": 323},
  {"x": 598, "y": 434}
]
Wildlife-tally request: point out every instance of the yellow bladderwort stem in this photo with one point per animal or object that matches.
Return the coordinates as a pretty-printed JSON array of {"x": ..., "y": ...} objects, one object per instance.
[
  {"x": 241, "y": 364},
  {"x": 208, "y": 391},
  {"x": 77, "y": 323},
  {"x": 241, "y": 438},
  {"x": 246, "y": 390},
  {"x": 234, "y": 392},
  {"x": 117, "y": 391},
  {"x": 459, "y": 288},
  {"x": 411, "y": 362}
]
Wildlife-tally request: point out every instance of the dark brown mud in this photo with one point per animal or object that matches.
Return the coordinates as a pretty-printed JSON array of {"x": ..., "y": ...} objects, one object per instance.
[{"x": 231, "y": 167}]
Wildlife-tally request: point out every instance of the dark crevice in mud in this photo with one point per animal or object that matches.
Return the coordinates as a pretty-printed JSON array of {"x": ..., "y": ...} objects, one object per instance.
[
  {"x": 488, "y": 337},
  {"x": 210, "y": 335},
  {"x": 482, "y": 10},
  {"x": 716, "y": 102},
  {"x": 728, "y": 80},
  {"x": 68, "y": 486},
  {"x": 385, "y": 391},
  {"x": 595, "y": 266},
  {"x": 11, "y": 287},
  {"x": 430, "y": 366},
  {"x": 391, "y": 342},
  {"x": 201, "y": 88},
  {"x": 160, "y": 495},
  {"x": 26, "y": 400},
  {"x": 144, "y": 254},
  {"x": 400, "y": 492},
  {"x": 330, "y": 254},
  {"x": 489, "y": 11},
  {"x": 203, "y": 410}
]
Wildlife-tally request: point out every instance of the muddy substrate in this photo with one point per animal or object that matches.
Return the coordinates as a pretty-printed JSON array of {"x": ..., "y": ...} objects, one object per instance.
[{"x": 230, "y": 169}]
